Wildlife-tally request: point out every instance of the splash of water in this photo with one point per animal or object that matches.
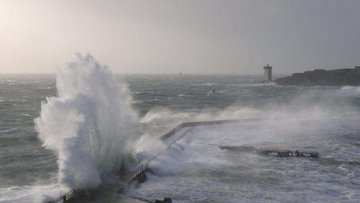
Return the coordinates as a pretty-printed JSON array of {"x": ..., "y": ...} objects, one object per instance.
[{"x": 88, "y": 124}]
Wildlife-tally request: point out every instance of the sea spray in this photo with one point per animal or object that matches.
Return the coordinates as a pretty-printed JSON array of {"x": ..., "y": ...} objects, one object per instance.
[{"x": 88, "y": 124}]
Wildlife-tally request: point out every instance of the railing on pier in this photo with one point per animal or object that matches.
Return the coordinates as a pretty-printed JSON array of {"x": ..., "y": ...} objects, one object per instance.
[
  {"x": 195, "y": 124},
  {"x": 67, "y": 196},
  {"x": 131, "y": 176},
  {"x": 140, "y": 171}
]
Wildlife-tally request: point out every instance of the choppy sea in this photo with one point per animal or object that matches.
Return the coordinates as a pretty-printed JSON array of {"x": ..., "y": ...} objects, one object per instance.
[{"x": 194, "y": 169}]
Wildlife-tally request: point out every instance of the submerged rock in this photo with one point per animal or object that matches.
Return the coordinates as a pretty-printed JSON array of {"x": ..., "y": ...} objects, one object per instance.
[{"x": 338, "y": 77}]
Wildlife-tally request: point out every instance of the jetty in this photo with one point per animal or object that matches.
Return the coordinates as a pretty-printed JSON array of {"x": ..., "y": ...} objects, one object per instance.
[
  {"x": 270, "y": 152},
  {"x": 138, "y": 174},
  {"x": 66, "y": 197},
  {"x": 183, "y": 129}
]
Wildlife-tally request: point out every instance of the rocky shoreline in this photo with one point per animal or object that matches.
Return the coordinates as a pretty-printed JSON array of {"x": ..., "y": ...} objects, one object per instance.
[{"x": 321, "y": 77}]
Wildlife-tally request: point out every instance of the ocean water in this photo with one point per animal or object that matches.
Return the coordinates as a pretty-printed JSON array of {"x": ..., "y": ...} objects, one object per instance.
[{"x": 38, "y": 159}]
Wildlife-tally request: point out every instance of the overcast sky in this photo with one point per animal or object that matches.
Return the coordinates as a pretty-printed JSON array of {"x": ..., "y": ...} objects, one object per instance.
[{"x": 189, "y": 36}]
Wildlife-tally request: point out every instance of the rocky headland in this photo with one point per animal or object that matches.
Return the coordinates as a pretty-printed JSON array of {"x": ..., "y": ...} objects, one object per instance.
[{"x": 321, "y": 77}]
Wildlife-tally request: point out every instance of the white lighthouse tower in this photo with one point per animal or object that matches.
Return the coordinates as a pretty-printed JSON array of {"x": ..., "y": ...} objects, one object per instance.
[{"x": 268, "y": 73}]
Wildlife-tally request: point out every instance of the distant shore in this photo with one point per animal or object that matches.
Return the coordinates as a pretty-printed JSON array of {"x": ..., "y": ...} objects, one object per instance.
[{"x": 321, "y": 77}]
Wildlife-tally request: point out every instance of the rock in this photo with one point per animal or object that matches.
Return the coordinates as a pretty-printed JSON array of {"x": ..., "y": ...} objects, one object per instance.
[
  {"x": 320, "y": 77},
  {"x": 166, "y": 200}
]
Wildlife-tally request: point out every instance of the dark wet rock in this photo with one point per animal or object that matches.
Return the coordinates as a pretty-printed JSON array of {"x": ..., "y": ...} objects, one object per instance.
[{"x": 166, "y": 200}]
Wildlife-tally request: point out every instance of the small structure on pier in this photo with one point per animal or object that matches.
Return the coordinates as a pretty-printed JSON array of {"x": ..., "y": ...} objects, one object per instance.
[{"x": 268, "y": 73}]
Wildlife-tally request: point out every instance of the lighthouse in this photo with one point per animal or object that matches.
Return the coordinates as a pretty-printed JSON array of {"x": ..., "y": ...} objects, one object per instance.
[{"x": 268, "y": 73}]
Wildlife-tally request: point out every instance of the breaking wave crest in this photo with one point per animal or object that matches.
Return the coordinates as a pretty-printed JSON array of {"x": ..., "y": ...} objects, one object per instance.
[{"x": 88, "y": 124}]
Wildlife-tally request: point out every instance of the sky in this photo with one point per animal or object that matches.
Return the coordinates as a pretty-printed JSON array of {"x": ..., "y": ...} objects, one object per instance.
[{"x": 188, "y": 36}]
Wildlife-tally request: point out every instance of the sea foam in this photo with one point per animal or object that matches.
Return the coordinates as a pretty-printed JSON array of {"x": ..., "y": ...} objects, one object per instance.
[{"x": 88, "y": 124}]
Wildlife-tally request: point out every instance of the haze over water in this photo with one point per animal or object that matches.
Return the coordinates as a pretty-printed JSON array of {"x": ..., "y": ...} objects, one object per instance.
[
  {"x": 83, "y": 126},
  {"x": 194, "y": 169}
]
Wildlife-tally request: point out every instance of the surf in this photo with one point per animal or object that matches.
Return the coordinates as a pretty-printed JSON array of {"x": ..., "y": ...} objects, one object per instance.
[{"x": 88, "y": 124}]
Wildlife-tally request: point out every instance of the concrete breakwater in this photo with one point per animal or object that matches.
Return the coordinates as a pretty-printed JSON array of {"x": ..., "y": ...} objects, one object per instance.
[{"x": 126, "y": 177}]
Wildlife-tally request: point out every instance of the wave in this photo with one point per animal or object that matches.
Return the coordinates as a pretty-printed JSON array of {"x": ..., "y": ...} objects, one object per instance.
[
  {"x": 88, "y": 124},
  {"x": 25, "y": 194},
  {"x": 275, "y": 124},
  {"x": 199, "y": 168},
  {"x": 9, "y": 130},
  {"x": 350, "y": 90},
  {"x": 262, "y": 84}
]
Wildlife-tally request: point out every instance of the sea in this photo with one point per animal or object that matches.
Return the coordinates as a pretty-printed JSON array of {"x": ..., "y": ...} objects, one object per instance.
[{"x": 72, "y": 129}]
